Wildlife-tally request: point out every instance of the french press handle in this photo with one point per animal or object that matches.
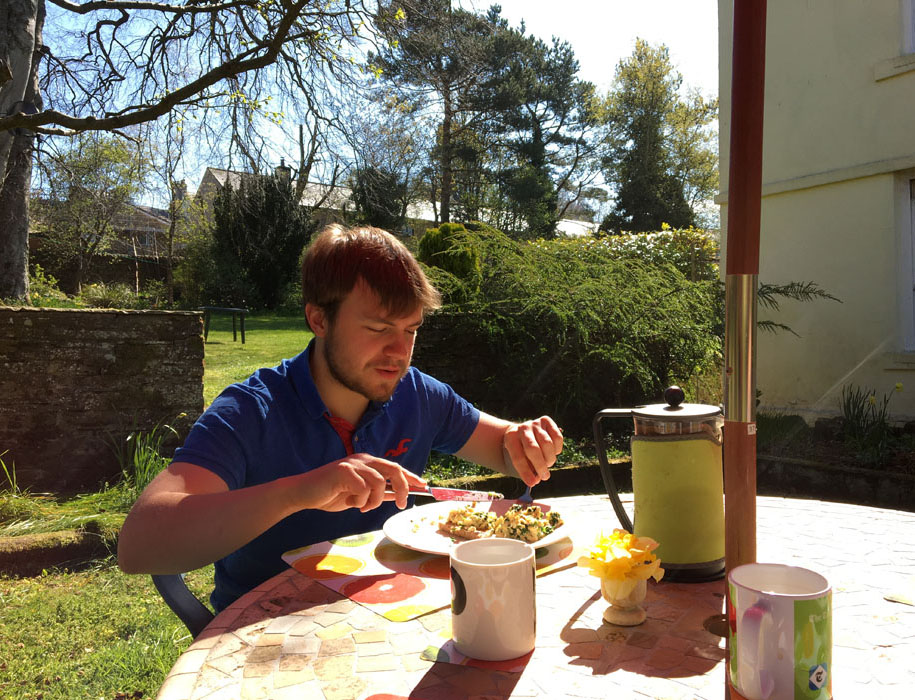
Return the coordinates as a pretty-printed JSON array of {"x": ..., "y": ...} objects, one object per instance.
[{"x": 605, "y": 471}]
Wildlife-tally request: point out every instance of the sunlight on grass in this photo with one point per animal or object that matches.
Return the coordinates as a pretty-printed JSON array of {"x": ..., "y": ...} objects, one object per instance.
[
  {"x": 22, "y": 514},
  {"x": 91, "y": 634},
  {"x": 269, "y": 339}
]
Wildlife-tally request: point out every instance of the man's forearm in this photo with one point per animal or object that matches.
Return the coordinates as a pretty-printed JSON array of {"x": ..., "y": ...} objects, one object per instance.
[{"x": 171, "y": 532}]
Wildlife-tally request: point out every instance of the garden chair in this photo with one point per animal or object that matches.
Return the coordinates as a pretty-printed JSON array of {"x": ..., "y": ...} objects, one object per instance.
[{"x": 194, "y": 614}]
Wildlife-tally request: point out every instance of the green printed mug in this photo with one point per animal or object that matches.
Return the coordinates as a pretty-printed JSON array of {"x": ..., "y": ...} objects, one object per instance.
[{"x": 780, "y": 633}]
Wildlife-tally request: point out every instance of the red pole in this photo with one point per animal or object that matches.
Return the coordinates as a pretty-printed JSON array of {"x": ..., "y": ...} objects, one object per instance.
[
  {"x": 744, "y": 195},
  {"x": 745, "y": 171}
]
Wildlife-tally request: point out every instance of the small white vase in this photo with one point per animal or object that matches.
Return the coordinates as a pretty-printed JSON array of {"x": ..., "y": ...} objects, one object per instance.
[{"x": 625, "y": 611}]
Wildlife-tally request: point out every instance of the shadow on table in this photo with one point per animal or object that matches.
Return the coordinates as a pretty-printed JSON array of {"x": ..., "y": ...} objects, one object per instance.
[
  {"x": 445, "y": 681},
  {"x": 669, "y": 644}
]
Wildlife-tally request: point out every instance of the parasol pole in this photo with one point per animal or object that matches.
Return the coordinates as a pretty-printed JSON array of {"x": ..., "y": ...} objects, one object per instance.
[
  {"x": 744, "y": 195},
  {"x": 744, "y": 199}
]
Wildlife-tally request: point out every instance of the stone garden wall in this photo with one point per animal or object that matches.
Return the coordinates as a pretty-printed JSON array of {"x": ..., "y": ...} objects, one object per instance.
[
  {"x": 454, "y": 357},
  {"x": 74, "y": 381}
]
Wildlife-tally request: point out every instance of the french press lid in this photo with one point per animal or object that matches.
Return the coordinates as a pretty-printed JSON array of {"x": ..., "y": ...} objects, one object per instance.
[{"x": 675, "y": 409}]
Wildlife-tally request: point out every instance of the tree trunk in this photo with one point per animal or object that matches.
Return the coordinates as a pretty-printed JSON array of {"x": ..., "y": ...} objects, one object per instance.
[
  {"x": 20, "y": 42},
  {"x": 169, "y": 271},
  {"x": 14, "y": 221},
  {"x": 136, "y": 266},
  {"x": 447, "y": 175},
  {"x": 80, "y": 272}
]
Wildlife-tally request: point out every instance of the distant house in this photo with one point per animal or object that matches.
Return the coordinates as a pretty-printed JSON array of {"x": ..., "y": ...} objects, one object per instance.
[
  {"x": 135, "y": 253},
  {"x": 141, "y": 231},
  {"x": 332, "y": 203},
  {"x": 838, "y": 199},
  {"x": 573, "y": 228}
]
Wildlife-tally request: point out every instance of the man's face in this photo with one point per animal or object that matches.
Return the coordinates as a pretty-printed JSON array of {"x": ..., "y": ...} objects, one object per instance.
[{"x": 368, "y": 350}]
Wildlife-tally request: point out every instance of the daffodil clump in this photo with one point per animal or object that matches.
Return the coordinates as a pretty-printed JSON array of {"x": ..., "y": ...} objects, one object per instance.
[{"x": 621, "y": 560}]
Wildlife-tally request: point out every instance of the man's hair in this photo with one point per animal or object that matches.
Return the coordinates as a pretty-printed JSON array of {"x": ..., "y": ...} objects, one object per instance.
[{"x": 339, "y": 257}]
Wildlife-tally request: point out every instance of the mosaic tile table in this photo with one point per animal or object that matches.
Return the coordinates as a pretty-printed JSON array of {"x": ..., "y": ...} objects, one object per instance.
[{"x": 294, "y": 637}]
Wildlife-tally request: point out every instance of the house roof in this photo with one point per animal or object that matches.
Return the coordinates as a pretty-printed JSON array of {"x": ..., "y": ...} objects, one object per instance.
[
  {"x": 338, "y": 197},
  {"x": 223, "y": 177},
  {"x": 154, "y": 212}
]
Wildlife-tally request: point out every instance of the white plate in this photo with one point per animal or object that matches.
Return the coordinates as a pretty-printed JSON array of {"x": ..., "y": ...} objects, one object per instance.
[{"x": 417, "y": 527}]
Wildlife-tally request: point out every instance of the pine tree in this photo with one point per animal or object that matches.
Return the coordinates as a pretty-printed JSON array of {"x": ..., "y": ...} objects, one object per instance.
[
  {"x": 660, "y": 158},
  {"x": 258, "y": 235}
]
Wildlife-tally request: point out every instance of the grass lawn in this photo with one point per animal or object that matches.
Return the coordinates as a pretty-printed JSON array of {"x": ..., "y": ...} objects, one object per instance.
[
  {"x": 90, "y": 634},
  {"x": 98, "y": 633},
  {"x": 269, "y": 338}
]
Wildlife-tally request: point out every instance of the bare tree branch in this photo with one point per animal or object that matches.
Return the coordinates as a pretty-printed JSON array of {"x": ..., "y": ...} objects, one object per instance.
[
  {"x": 143, "y": 113},
  {"x": 105, "y": 5}
]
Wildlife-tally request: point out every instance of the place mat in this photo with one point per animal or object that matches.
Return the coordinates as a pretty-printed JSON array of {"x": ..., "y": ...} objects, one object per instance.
[{"x": 397, "y": 583}]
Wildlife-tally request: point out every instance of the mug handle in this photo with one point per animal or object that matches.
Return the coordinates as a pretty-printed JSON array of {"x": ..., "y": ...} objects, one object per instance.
[{"x": 752, "y": 671}]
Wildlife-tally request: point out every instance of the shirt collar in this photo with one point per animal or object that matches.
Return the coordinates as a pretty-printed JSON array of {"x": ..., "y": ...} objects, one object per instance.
[{"x": 304, "y": 384}]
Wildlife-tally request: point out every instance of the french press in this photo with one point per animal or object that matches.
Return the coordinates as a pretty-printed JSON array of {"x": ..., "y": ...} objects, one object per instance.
[{"x": 677, "y": 483}]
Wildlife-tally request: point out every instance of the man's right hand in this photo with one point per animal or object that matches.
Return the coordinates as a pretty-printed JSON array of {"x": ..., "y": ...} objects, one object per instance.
[{"x": 357, "y": 481}]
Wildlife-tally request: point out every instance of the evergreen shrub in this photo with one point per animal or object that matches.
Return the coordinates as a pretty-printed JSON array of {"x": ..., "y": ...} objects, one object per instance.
[
  {"x": 576, "y": 325},
  {"x": 258, "y": 232},
  {"x": 692, "y": 251},
  {"x": 453, "y": 249}
]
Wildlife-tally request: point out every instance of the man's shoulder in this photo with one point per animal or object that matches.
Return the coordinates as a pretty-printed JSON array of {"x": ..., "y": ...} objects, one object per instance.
[
  {"x": 267, "y": 384},
  {"x": 420, "y": 380},
  {"x": 428, "y": 388}
]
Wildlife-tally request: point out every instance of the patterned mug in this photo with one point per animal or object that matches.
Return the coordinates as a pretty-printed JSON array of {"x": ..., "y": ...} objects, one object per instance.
[{"x": 780, "y": 620}]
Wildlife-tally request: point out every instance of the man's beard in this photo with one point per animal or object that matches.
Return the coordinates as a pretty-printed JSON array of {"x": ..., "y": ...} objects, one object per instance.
[{"x": 348, "y": 377}]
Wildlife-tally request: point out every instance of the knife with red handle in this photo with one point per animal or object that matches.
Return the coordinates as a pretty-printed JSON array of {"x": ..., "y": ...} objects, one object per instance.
[{"x": 443, "y": 494}]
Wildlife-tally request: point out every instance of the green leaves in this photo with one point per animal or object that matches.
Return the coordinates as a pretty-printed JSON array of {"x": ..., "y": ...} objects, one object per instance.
[
  {"x": 86, "y": 187},
  {"x": 572, "y": 326},
  {"x": 380, "y": 197},
  {"x": 454, "y": 249},
  {"x": 866, "y": 425},
  {"x": 661, "y": 157},
  {"x": 258, "y": 236}
]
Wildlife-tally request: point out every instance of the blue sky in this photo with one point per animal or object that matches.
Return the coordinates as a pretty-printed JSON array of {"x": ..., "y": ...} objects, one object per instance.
[{"x": 602, "y": 32}]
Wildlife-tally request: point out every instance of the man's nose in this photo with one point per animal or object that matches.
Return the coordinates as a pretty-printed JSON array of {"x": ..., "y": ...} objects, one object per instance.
[{"x": 401, "y": 345}]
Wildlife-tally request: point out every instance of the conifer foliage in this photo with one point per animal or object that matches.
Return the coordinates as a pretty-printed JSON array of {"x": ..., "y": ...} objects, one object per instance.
[{"x": 258, "y": 235}]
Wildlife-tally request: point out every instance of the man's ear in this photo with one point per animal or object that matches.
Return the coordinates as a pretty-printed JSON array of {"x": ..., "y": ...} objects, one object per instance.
[{"x": 317, "y": 319}]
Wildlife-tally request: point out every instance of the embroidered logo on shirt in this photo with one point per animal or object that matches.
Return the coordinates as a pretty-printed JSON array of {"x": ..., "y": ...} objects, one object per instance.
[{"x": 400, "y": 449}]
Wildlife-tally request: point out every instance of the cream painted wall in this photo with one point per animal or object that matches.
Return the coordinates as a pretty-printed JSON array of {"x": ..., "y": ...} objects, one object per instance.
[
  {"x": 842, "y": 237},
  {"x": 825, "y": 109},
  {"x": 838, "y": 150}
]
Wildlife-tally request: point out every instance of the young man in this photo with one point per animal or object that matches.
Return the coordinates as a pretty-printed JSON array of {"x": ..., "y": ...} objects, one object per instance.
[{"x": 326, "y": 444}]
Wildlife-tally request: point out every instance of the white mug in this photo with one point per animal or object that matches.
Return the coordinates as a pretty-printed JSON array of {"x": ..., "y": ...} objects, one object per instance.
[
  {"x": 493, "y": 612},
  {"x": 780, "y": 627}
]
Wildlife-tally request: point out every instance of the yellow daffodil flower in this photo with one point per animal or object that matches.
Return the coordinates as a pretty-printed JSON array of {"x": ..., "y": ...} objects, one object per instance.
[{"x": 621, "y": 560}]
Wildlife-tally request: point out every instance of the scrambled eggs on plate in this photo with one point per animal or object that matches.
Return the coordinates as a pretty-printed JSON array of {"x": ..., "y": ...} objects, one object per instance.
[{"x": 520, "y": 522}]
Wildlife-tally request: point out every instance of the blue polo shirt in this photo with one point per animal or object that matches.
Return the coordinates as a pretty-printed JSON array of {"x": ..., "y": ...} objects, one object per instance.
[{"x": 273, "y": 425}]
